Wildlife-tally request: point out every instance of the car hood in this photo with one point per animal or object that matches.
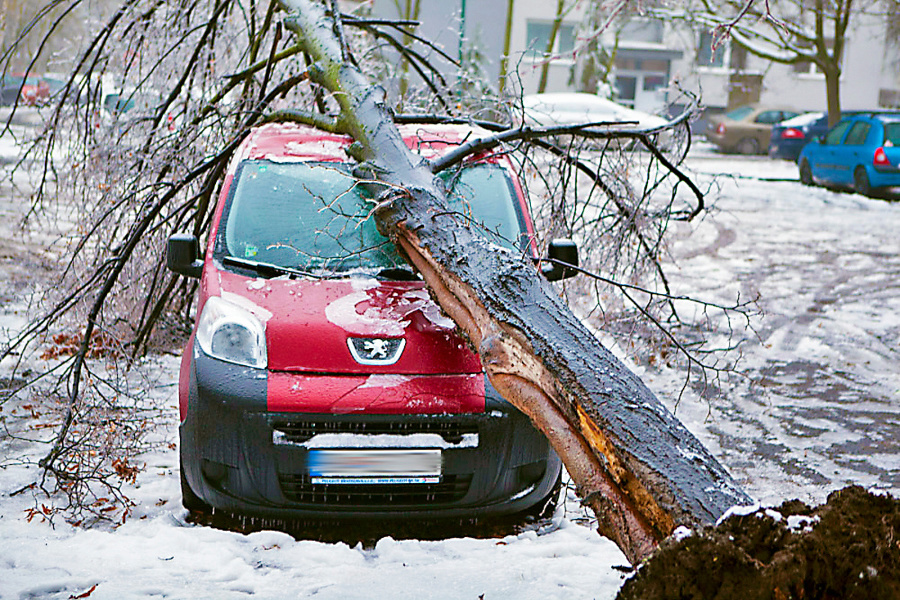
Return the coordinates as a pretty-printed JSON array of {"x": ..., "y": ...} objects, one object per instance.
[{"x": 308, "y": 323}]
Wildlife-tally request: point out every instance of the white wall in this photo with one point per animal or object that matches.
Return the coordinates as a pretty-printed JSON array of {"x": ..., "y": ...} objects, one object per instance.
[{"x": 868, "y": 65}]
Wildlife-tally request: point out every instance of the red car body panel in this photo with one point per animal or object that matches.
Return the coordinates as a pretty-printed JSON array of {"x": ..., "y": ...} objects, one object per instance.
[
  {"x": 376, "y": 394},
  {"x": 308, "y": 321}
]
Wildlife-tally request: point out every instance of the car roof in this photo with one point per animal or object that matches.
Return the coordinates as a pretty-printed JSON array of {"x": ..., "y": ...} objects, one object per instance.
[
  {"x": 884, "y": 117},
  {"x": 757, "y": 106},
  {"x": 890, "y": 116},
  {"x": 566, "y": 98},
  {"x": 755, "y": 109},
  {"x": 577, "y": 100},
  {"x": 803, "y": 119},
  {"x": 582, "y": 104},
  {"x": 295, "y": 142}
]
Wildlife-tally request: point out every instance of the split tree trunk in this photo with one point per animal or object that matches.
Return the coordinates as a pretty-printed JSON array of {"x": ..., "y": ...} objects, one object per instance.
[{"x": 633, "y": 462}]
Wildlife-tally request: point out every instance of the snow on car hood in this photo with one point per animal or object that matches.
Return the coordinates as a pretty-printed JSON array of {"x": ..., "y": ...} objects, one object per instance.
[{"x": 308, "y": 324}]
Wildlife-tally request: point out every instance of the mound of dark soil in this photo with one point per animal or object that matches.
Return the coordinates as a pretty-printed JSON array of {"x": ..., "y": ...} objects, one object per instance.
[{"x": 848, "y": 548}]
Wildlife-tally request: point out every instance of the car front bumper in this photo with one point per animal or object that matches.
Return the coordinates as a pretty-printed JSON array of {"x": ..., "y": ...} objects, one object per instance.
[{"x": 239, "y": 457}]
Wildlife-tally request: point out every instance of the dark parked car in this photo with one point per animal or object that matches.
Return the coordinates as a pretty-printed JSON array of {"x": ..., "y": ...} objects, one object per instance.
[
  {"x": 861, "y": 152},
  {"x": 321, "y": 380},
  {"x": 790, "y": 136},
  {"x": 746, "y": 129}
]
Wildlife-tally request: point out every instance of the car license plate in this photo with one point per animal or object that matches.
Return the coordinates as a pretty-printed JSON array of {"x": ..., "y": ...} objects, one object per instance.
[{"x": 371, "y": 466}]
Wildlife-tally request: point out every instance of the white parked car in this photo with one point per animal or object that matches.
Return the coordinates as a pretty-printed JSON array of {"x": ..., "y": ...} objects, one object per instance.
[
  {"x": 574, "y": 108},
  {"x": 547, "y": 110}
]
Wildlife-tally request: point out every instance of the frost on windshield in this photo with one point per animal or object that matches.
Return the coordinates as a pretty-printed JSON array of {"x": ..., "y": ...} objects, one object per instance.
[
  {"x": 309, "y": 216},
  {"x": 316, "y": 217}
]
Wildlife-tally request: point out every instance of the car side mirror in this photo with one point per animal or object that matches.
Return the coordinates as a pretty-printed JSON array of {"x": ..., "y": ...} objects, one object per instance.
[
  {"x": 183, "y": 255},
  {"x": 560, "y": 254}
]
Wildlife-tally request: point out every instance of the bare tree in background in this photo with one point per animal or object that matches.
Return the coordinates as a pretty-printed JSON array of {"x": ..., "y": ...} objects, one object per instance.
[
  {"x": 794, "y": 32},
  {"x": 135, "y": 146}
]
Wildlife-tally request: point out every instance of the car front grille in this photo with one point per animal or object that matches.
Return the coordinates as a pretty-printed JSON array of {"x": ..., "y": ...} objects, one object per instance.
[
  {"x": 299, "y": 488},
  {"x": 301, "y": 431}
]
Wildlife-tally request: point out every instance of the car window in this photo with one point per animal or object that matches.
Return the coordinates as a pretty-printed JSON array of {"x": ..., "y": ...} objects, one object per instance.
[
  {"x": 313, "y": 216},
  {"x": 892, "y": 134},
  {"x": 858, "y": 134},
  {"x": 788, "y": 114},
  {"x": 485, "y": 196},
  {"x": 768, "y": 117},
  {"x": 739, "y": 113},
  {"x": 837, "y": 132}
]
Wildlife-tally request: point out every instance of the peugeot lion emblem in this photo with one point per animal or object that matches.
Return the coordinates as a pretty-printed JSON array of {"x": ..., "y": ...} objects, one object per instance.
[{"x": 376, "y": 351}]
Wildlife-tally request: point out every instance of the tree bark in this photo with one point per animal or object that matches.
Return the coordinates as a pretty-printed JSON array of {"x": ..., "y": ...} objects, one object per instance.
[
  {"x": 633, "y": 462},
  {"x": 833, "y": 94},
  {"x": 507, "y": 38},
  {"x": 548, "y": 52}
]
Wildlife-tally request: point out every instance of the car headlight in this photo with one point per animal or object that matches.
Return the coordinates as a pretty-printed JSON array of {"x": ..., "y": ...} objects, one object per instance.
[{"x": 230, "y": 333}]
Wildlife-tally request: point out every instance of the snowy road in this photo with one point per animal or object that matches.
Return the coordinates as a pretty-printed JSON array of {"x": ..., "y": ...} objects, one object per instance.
[{"x": 821, "y": 409}]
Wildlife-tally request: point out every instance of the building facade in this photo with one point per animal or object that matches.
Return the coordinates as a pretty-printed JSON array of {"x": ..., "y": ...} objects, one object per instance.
[{"x": 652, "y": 58}]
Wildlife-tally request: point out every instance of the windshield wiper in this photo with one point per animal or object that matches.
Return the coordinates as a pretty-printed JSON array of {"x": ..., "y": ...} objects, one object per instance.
[
  {"x": 398, "y": 274},
  {"x": 267, "y": 269}
]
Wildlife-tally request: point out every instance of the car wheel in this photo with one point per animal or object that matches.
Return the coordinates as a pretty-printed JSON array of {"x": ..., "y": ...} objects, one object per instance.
[
  {"x": 861, "y": 182},
  {"x": 748, "y": 146},
  {"x": 189, "y": 499},
  {"x": 806, "y": 177},
  {"x": 546, "y": 507}
]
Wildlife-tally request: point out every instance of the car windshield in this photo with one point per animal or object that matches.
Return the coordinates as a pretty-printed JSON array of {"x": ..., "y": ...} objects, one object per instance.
[
  {"x": 314, "y": 217},
  {"x": 739, "y": 113}
]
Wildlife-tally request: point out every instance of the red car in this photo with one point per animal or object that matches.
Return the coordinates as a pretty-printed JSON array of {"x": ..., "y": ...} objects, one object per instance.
[
  {"x": 320, "y": 379},
  {"x": 29, "y": 90}
]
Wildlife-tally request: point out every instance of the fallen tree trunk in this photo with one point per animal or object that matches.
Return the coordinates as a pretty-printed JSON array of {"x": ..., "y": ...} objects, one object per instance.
[{"x": 640, "y": 470}]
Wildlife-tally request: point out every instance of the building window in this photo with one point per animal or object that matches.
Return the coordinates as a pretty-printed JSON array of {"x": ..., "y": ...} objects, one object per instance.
[
  {"x": 626, "y": 89},
  {"x": 804, "y": 67},
  {"x": 642, "y": 30},
  {"x": 707, "y": 55},
  {"x": 657, "y": 65},
  {"x": 653, "y": 82},
  {"x": 888, "y": 98},
  {"x": 538, "y": 34}
]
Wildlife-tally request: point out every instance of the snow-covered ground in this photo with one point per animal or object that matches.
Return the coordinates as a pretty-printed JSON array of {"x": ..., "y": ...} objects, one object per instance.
[
  {"x": 822, "y": 406},
  {"x": 822, "y": 409}
]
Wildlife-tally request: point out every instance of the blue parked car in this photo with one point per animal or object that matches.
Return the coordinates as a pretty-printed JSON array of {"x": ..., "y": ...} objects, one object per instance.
[{"x": 861, "y": 152}]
